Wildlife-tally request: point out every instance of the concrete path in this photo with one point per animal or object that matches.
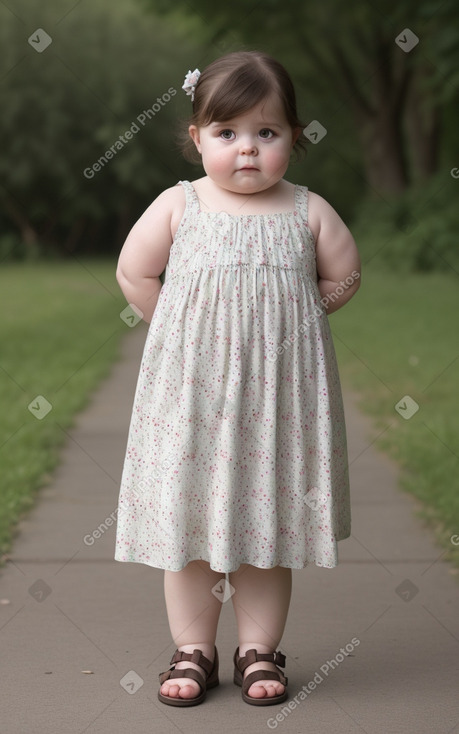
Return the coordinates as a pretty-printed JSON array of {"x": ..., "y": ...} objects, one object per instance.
[{"x": 392, "y": 606}]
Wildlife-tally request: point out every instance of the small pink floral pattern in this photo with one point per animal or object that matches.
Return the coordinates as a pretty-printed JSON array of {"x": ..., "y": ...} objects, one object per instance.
[{"x": 237, "y": 444}]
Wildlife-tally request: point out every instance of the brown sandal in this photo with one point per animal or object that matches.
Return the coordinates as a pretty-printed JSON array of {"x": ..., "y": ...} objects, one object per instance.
[
  {"x": 252, "y": 656},
  {"x": 209, "y": 681}
]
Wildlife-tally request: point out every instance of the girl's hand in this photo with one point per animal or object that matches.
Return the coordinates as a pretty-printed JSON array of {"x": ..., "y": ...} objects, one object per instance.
[
  {"x": 338, "y": 261},
  {"x": 146, "y": 251}
]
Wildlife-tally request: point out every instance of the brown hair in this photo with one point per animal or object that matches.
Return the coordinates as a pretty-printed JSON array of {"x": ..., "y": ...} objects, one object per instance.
[{"x": 232, "y": 85}]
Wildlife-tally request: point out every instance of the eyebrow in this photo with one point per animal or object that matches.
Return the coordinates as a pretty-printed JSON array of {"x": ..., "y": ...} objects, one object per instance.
[{"x": 230, "y": 122}]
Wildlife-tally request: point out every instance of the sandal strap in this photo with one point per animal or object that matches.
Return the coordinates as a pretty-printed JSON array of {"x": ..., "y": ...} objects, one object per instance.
[
  {"x": 193, "y": 657},
  {"x": 252, "y": 656}
]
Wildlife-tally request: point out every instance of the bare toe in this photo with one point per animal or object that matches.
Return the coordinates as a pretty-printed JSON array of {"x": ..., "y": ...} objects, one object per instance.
[
  {"x": 181, "y": 688},
  {"x": 169, "y": 690},
  {"x": 266, "y": 688}
]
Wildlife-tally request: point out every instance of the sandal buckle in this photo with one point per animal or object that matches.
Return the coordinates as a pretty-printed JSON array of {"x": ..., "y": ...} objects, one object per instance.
[{"x": 279, "y": 659}]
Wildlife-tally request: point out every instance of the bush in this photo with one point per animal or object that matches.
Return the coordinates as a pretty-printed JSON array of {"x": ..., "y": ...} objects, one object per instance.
[{"x": 416, "y": 232}]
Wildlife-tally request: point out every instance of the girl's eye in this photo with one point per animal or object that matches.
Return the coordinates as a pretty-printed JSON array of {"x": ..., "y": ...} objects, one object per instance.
[
  {"x": 226, "y": 134},
  {"x": 266, "y": 133}
]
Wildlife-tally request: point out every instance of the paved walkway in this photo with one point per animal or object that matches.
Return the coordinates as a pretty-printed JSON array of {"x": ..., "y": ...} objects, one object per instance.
[{"x": 392, "y": 604}]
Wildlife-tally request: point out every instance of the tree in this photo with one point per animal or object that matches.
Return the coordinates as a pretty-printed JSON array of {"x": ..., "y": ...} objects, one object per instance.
[{"x": 87, "y": 122}]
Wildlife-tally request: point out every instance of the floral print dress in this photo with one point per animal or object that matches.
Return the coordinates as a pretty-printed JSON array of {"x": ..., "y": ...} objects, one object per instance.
[{"x": 237, "y": 444}]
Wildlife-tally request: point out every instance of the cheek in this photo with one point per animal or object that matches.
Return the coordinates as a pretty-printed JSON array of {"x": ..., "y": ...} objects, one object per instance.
[
  {"x": 277, "y": 156},
  {"x": 218, "y": 159}
]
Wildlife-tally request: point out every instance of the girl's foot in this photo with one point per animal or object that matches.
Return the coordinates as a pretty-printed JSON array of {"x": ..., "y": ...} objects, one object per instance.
[
  {"x": 187, "y": 687},
  {"x": 264, "y": 688},
  {"x": 261, "y": 688}
]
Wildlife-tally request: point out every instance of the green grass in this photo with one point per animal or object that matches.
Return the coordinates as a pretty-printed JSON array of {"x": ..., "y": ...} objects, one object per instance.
[
  {"x": 397, "y": 337},
  {"x": 59, "y": 334}
]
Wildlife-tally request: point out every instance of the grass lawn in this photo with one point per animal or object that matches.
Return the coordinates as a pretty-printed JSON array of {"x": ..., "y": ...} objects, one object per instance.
[
  {"x": 59, "y": 335},
  {"x": 399, "y": 336}
]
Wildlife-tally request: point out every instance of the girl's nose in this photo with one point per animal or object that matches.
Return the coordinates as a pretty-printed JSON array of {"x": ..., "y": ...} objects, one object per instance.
[{"x": 248, "y": 147}]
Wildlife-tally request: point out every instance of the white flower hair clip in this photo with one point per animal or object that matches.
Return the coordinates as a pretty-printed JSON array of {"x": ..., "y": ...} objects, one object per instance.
[{"x": 191, "y": 80}]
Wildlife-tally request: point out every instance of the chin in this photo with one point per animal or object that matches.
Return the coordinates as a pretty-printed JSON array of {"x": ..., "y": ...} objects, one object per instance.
[{"x": 249, "y": 188}]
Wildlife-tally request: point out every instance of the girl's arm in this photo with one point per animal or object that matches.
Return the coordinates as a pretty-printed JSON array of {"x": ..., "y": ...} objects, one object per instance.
[
  {"x": 146, "y": 251},
  {"x": 338, "y": 261}
]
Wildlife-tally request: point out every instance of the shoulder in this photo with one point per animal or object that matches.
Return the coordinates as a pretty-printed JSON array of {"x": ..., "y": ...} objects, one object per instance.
[
  {"x": 165, "y": 203},
  {"x": 321, "y": 215},
  {"x": 171, "y": 198},
  {"x": 166, "y": 209}
]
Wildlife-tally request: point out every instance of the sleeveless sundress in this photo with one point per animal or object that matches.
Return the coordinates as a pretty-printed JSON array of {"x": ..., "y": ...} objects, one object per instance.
[{"x": 237, "y": 444}]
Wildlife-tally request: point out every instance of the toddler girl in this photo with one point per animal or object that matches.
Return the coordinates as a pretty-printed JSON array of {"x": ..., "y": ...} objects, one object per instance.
[{"x": 236, "y": 460}]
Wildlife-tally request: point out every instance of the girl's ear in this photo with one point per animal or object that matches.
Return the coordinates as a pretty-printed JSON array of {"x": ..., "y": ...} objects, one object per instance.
[
  {"x": 194, "y": 135},
  {"x": 296, "y": 132}
]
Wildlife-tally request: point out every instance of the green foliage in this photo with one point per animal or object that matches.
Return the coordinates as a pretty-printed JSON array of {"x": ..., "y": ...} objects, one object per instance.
[
  {"x": 441, "y": 19},
  {"x": 63, "y": 108},
  {"x": 415, "y": 232}
]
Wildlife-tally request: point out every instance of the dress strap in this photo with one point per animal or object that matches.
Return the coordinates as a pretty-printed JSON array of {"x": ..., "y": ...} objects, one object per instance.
[
  {"x": 192, "y": 201},
  {"x": 301, "y": 201}
]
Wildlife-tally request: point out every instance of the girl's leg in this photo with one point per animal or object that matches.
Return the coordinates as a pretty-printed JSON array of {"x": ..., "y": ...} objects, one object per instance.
[
  {"x": 261, "y": 601},
  {"x": 193, "y": 612}
]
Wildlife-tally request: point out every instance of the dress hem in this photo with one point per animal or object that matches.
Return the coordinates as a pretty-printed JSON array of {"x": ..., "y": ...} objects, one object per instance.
[{"x": 297, "y": 567}]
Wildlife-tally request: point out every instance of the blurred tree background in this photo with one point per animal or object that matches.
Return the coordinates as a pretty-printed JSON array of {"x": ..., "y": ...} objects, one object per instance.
[
  {"x": 64, "y": 107},
  {"x": 389, "y": 108}
]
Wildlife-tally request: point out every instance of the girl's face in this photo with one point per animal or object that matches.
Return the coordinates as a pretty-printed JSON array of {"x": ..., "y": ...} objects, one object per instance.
[{"x": 249, "y": 153}]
